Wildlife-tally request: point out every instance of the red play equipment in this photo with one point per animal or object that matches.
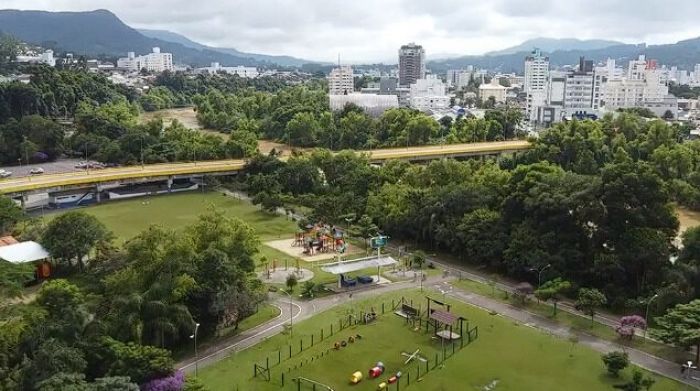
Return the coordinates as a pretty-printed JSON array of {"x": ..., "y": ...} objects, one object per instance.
[{"x": 377, "y": 370}]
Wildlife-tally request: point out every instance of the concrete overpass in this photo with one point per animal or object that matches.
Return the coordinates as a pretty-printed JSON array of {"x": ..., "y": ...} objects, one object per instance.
[{"x": 156, "y": 172}]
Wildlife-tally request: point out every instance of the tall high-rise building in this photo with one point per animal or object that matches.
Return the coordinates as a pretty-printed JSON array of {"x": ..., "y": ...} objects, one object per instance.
[
  {"x": 535, "y": 83},
  {"x": 341, "y": 81},
  {"x": 411, "y": 64}
]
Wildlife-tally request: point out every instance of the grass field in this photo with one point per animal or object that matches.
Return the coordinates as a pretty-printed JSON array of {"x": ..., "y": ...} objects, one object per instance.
[
  {"x": 129, "y": 217},
  {"x": 579, "y": 323},
  {"x": 512, "y": 356}
]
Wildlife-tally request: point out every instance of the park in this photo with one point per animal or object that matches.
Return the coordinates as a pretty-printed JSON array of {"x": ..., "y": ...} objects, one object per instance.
[{"x": 374, "y": 329}]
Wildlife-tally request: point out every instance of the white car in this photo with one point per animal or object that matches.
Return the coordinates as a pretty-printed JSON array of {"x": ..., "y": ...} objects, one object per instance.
[
  {"x": 36, "y": 171},
  {"x": 5, "y": 174}
]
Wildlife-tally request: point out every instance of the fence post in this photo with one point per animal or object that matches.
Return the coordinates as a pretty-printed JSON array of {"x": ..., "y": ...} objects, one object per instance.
[
  {"x": 282, "y": 379},
  {"x": 382, "y": 308},
  {"x": 290, "y": 351},
  {"x": 418, "y": 374},
  {"x": 312, "y": 340},
  {"x": 255, "y": 370},
  {"x": 301, "y": 345},
  {"x": 279, "y": 356},
  {"x": 408, "y": 377},
  {"x": 267, "y": 362},
  {"x": 331, "y": 328},
  {"x": 321, "y": 333}
]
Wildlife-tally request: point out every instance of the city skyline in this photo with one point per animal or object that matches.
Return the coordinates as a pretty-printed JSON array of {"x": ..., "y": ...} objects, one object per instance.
[{"x": 319, "y": 31}]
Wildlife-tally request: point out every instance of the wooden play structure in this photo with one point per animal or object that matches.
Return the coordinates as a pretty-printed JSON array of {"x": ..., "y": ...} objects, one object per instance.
[{"x": 320, "y": 238}]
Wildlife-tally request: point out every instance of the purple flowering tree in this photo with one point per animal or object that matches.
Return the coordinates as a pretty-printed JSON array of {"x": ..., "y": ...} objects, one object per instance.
[
  {"x": 174, "y": 382},
  {"x": 628, "y": 325}
]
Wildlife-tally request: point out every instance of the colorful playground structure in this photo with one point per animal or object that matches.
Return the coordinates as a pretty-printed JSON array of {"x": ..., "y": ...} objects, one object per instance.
[{"x": 320, "y": 238}]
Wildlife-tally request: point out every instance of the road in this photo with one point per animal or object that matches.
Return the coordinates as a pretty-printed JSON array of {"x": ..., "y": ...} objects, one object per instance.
[
  {"x": 19, "y": 184},
  {"x": 57, "y": 167},
  {"x": 306, "y": 309}
]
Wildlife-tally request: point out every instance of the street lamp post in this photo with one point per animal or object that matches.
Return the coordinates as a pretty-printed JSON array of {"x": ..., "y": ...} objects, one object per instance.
[
  {"x": 539, "y": 273},
  {"x": 291, "y": 319},
  {"x": 196, "y": 356},
  {"x": 646, "y": 317}
]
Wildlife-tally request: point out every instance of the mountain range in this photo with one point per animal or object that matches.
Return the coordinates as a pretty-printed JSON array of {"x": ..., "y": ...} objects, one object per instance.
[
  {"x": 101, "y": 33},
  {"x": 684, "y": 54},
  {"x": 553, "y": 44},
  {"x": 170, "y": 36}
]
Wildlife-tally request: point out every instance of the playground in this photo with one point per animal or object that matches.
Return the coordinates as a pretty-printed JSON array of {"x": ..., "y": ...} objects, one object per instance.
[
  {"x": 318, "y": 242},
  {"x": 500, "y": 358}
]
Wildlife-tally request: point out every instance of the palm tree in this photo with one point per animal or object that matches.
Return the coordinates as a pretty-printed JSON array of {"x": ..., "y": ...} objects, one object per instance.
[{"x": 151, "y": 317}]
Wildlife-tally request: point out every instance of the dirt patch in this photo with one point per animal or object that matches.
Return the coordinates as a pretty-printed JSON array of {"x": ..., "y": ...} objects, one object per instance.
[
  {"x": 279, "y": 275},
  {"x": 687, "y": 218}
]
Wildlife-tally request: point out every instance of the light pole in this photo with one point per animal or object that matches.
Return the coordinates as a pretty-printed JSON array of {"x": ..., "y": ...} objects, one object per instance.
[
  {"x": 646, "y": 317},
  {"x": 539, "y": 273},
  {"x": 291, "y": 319},
  {"x": 196, "y": 356}
]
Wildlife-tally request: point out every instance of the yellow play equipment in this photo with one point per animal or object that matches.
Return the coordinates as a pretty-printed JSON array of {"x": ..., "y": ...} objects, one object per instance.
[
  {"x": 381, "y": 386},
  {"x": 356, "y": 377}
]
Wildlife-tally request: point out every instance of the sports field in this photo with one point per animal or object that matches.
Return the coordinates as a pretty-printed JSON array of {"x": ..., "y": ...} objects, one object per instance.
[
  {"x": 129, "y": 217},
  {"x": 505, "y": 356}
]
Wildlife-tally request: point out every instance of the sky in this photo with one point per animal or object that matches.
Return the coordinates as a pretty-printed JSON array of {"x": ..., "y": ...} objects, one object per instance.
[{"x": 362, "y": 31}]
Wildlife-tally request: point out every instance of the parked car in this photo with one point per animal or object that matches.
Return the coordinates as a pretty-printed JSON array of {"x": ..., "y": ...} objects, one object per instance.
[
  {"x": 5, "y": 174},
  {"x": 81, "y": 165},
  {"x": 36, "y": 171}
]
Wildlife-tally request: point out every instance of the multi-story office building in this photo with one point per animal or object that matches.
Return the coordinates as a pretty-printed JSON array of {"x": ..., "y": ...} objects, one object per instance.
[
  {"x": 578, "y": 91},
  {"x": 411, "y": 64},
  {"x": 152, "y": 62},
  {"x": 341, "y": 81}
]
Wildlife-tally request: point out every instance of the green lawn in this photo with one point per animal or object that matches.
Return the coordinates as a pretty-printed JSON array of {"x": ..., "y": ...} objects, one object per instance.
[
  {"x": 129, "y": 217},
  {"x": 517, "y": 357},
  {"x": 576, "y": 322}
]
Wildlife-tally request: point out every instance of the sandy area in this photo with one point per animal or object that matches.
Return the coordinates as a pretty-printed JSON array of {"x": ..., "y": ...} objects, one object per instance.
[
  {"x": 279, "y": 276},
  {"x": 285, "y": 245},
  {"x": 687, "y": 219}
]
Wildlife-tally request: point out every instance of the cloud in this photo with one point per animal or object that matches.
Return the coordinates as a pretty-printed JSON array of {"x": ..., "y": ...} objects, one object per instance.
[{"x": 371, "y": 30}]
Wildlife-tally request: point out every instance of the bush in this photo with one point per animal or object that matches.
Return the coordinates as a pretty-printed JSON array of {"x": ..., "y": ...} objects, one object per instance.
[{"x": 616, "y": 362}]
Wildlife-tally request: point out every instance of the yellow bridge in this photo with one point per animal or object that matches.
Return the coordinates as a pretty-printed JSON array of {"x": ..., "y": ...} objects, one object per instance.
[{"x": 93, "y": 177}]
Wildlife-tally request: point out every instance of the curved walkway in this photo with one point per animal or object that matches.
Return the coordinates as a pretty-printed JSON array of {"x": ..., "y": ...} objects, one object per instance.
[{"x": 305, "y": 309}]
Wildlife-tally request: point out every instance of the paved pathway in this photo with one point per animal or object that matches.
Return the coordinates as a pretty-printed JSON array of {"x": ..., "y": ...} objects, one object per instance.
[{"x": 302, "y": 310}]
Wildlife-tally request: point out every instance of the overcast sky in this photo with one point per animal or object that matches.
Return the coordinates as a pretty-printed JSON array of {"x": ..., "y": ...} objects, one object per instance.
[{"x": 372, "y": 30}]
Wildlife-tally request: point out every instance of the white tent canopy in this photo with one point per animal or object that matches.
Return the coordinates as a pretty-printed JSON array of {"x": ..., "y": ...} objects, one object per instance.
[
  {"x": 357, "y": 264},
  {"x": 23, "y": 252}
]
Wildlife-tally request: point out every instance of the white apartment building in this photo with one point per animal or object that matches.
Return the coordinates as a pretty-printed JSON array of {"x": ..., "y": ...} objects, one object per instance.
[
  {"x": 42, "y": 58},
  {"x": 152, "y": 62},
  {"x": 429, "y": 94},
  {"x": 246, "y": 72},
  {"x": 341, "y": 81},
  {"x": 648, "y": 91},
  {"x": 535, "y": 82}
]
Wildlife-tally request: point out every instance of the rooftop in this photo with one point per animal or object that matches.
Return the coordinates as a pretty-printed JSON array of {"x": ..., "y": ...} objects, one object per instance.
[{"x": 23, "y": 252}]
